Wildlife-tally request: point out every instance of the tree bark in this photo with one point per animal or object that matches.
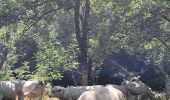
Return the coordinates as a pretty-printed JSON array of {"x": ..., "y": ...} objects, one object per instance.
[
  {"x": 3, "y": 54},
  {"x": 81, "y": 36}
]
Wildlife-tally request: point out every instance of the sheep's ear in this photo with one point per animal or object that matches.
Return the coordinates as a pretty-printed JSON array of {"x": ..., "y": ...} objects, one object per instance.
[{"x": 59, "y": 89}]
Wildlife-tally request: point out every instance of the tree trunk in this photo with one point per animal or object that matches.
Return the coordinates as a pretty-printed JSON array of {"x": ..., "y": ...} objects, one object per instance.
[
  {"x": 3, "y": 54},
  {"x": 81, "y": 36}
]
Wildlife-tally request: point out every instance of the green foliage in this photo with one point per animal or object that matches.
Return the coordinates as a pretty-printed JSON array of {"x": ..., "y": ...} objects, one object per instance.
[
  {"x": 53, "y": 60},
  {"x": 6, "y": 71},
  {"x": 133, "y": 25},
  {"x": 6, "y": 74},
  {"x": 23, "y": 71}
]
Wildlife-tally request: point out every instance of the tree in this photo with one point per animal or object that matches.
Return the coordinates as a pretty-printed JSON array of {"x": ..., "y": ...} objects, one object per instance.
[
  {"x": 81, "y": 15},
  {"x": 97, "y": 28},
  {"x": 33, "y": 19}
]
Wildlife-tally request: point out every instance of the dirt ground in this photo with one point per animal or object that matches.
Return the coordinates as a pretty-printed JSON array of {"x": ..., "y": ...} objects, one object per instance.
[{"x": 44, "y": 98}]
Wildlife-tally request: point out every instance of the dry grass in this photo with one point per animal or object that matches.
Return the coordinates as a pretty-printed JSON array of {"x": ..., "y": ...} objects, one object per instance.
[{"x": 44, "y": 98}]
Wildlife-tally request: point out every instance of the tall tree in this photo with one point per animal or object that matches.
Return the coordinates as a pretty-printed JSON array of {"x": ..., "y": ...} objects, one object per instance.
[{"x": 81, "y": 15}]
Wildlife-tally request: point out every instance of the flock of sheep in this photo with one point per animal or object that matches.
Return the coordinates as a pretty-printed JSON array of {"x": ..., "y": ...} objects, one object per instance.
[
  {"x": 127, "y": 91},
  {"x": 132, "y": 89},
  {"x": 10, "y": 90}
]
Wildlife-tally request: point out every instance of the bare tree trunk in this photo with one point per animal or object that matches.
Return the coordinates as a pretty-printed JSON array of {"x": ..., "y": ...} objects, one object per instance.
[
  {"x": 74, "y": 79},
  {"x": 3, "y": 54},
  {"x": 81, "y": 36}
]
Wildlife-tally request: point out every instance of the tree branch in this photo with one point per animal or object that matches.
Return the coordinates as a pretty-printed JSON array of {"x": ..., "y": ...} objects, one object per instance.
[
  {"x": 38, "y": 19},
  {"x": 166, "y": 18},
  {"x": 162, "y": 13},
  {"x": 41, "y": 3}
]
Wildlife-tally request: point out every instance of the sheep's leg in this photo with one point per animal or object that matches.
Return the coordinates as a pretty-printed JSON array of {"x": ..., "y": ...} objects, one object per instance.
[{"x": 1, "y": 96}]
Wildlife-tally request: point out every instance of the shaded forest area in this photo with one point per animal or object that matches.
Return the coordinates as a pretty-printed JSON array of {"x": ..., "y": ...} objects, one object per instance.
[
  {"x": 84, "y": 42},
  {"x": 109, "y": 71}
]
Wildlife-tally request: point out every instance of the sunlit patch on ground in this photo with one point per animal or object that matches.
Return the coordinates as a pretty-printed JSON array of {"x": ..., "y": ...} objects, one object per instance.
[{"x": 44, "y": 98}]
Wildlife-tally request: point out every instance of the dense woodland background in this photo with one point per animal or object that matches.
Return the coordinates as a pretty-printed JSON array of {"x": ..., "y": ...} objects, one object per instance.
[{"x": 81, "y": 42}]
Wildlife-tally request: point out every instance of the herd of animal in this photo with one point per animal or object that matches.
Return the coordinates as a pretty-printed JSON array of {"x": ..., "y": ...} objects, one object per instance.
[
  {"x": 10, "y": 90},
  {"x": 128, "y": 90}
]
